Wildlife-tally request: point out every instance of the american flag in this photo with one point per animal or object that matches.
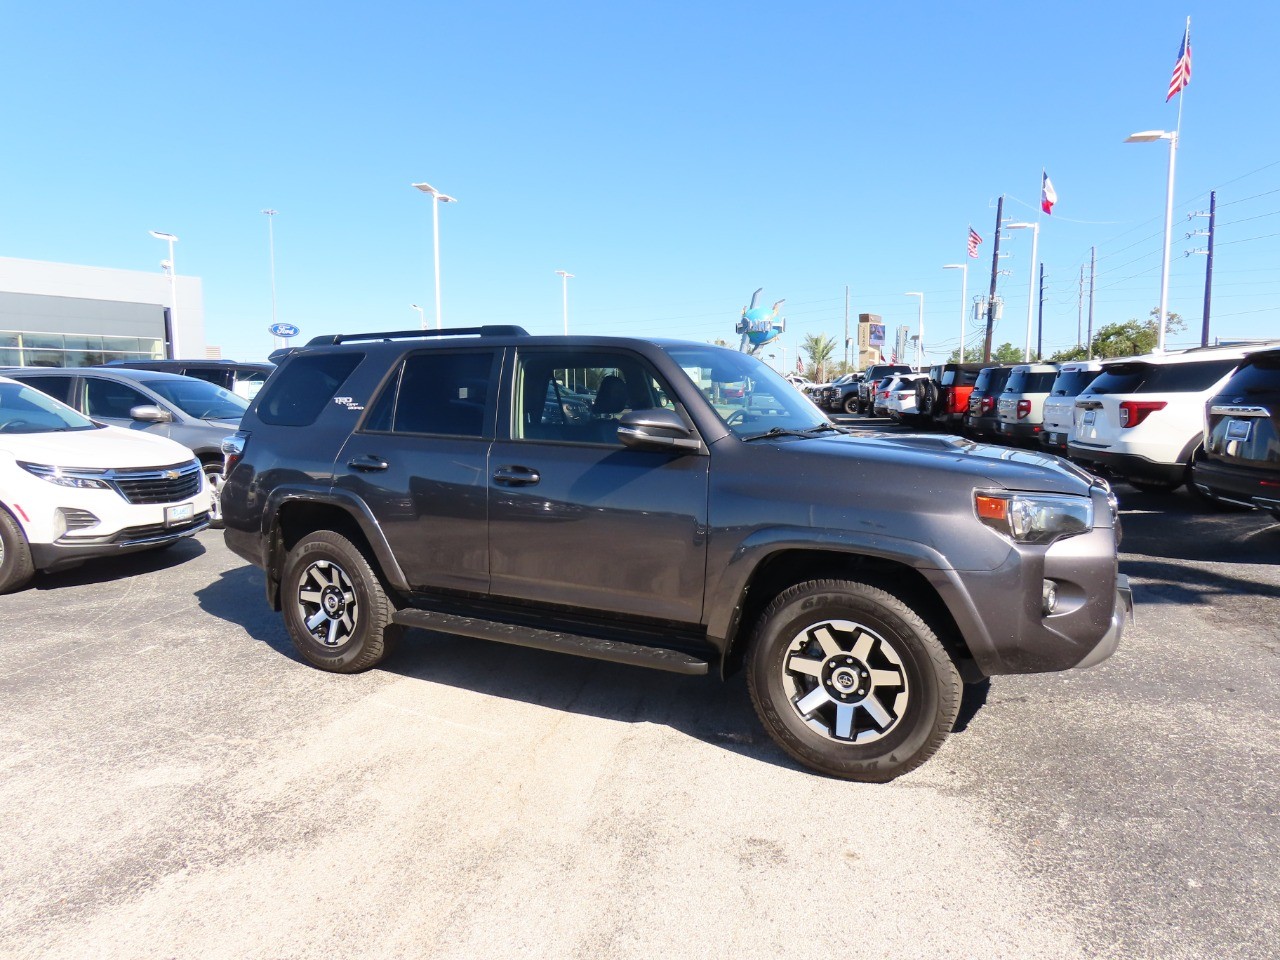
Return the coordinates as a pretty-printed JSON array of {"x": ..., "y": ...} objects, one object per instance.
[
  {"x": 1182, "y": 69},
  {"x": 974, "y": 240},
  {"x": 893, "y": 358}
]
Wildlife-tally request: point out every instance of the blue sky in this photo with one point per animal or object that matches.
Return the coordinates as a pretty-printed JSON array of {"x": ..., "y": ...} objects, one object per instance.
[{"x": 673, "y": 157}]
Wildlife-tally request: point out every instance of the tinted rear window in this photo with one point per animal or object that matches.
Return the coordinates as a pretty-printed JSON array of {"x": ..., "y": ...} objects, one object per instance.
[
  {"x": 1023, "y": 381},
  {"x": 1161, "y": 377},
  {"x": 991, "y": 379},
  {"x": 296, "y": 394},
  {"x": 1071, "y": 382},
  {"x": 1262, "y": 375}
]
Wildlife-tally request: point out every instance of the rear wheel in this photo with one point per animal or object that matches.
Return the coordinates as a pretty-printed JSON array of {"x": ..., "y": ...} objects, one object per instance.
[
  {"x": 335, "y": 608},
  {"x": 213, "y": 480},
  {"x": 16, "y": 568},
  {"x": 850, "y": 681},
  {"x": 851, "y": 405},
  {"x": 1155, "y": 486}
]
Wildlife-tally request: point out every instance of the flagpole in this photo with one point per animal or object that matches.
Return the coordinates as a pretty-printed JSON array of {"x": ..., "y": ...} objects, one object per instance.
[{"x": 1168, "y": 208}]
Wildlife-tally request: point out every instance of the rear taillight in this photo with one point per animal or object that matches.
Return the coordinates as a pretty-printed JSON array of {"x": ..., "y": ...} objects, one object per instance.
[
  {"x": 1024, "y": 408},
  {"x": 1133, "y": 412},
  {"x": 233, "y": 451},
  {"x": 987, "y": 405}
]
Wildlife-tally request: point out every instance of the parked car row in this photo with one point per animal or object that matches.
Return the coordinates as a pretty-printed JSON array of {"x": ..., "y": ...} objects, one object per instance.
[
  {"x": 1205, "y": 417},
  {"x": 100, "y": 461}
]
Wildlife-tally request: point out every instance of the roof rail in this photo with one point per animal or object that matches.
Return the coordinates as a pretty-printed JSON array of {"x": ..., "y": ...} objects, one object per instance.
[{"x": 486, "y": 331}]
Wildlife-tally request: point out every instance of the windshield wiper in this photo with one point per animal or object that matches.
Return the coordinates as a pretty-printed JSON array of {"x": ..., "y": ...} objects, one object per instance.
[{"x": 787, "y": 432}]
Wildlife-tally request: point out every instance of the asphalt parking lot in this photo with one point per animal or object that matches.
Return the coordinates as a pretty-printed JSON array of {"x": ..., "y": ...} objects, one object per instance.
[{"x": 179, "y": 784}]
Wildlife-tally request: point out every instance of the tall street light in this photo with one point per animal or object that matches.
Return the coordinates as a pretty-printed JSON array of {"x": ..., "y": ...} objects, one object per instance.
[
  {"x": 565, "y": 277},
  {"x": 964, "y": 296},
  {"x": 173, "y": 290},
  {"x": 1031, "y": 283},
  {"x": 436, "y": 199},
  {"x": 422, "y": 317},
  {"x": 1150, "y": 136},
  {"x": 920, "y": 333},
  {"x": 271, "y": 245}
]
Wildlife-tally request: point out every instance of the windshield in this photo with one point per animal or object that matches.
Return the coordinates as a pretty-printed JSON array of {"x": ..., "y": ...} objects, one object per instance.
[
  {"x": 196, "y": 398},
  {"x": 27, "y": 410},
  {"x": 748, "y": 396}
]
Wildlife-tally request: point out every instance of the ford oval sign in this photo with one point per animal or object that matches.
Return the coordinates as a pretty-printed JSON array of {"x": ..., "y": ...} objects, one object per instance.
[{"x": 285, "y": 330}]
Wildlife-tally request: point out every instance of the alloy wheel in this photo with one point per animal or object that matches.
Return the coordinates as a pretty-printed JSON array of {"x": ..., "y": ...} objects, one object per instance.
[
  {"x": 845, "y": 681},
  {"x": 327, "y": 604}
]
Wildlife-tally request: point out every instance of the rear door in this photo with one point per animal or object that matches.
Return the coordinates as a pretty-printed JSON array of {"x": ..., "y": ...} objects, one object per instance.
[
  {"x": 575, "y": 517},
  {"x": 420, "y": 462}
]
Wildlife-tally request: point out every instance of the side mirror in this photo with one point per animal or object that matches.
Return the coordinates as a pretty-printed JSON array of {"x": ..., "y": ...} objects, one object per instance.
[
  {"x": 657, "y": 429},
  {"x": 150, "y": 413}
]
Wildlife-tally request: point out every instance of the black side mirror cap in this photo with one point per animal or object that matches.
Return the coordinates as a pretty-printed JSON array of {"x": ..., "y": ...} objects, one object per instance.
[{"x": 657, "y": 429}]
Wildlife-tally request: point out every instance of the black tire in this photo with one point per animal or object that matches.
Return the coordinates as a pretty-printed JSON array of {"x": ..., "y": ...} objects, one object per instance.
[
  {"x": 851, "y": 405},
  {"x": 328, "y": 581},
  {"x": 871, "y": 638},
  {"x": 16, "y": 568},
  {"x": 213, "y": 477}
]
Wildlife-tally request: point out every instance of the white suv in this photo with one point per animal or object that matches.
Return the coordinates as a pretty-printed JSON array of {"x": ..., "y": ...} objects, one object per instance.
[
  {"x": 71, "y": 489},
  {"x": 1020, "y": 408},
  {"x": 1142, "y": 419},
  {"x": 1060, "y": 405}
]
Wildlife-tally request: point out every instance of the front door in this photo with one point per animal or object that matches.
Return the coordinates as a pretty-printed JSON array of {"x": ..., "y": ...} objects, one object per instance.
[{"x": 576, "y": 518}]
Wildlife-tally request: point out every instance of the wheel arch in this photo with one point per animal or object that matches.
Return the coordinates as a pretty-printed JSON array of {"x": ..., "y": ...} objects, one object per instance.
[
  {"x": 295, "y": 514},
  {"x": 785, "y": 568}
]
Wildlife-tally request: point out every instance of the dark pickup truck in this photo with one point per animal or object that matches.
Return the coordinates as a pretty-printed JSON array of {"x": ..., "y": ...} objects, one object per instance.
[{"x": 608, "y": 497}]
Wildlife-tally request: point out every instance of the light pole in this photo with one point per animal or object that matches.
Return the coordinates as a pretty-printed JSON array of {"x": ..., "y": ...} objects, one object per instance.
[
  {"x": 271, "y": 244},
  {"x": 920, "y": 333},
  {"x": 173, "y": 290},
  {"x": 422, "y": 316},
  {"x": 565, "y": 277},
  {"x": 964, "y": 296},
  {"x": 1031, "y": 283},
  {"x": 436, "y": 199},
  {"x": 1150, "y": 136}
]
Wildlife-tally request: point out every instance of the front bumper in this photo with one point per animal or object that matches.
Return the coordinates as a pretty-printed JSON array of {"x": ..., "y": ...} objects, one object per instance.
[
  {"x": 70, "y": 551},
  {"x": 1121, "y": 614}
]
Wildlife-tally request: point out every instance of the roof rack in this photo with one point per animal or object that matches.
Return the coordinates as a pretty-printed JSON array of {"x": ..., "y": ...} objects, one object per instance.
[{"x": 486, "y": 331}]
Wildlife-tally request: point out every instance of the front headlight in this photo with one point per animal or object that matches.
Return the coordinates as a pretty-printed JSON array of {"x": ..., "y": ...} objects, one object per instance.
[
  {"x": 78, "y": 479},
  {"x": 1034, "y": 517}
]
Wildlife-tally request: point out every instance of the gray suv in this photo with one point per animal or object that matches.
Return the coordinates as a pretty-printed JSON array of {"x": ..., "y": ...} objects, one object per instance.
[
  {"x": 195, "y": 413},
  {"x": 422, "y": 479}
]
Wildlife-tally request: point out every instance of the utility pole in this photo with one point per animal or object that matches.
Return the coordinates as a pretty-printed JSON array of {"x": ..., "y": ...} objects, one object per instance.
[
  {"x": 846, "y": 328},
  {"x": 1080, "y": 307},
  {"x": 995, "y": 271},
  {"x": 1040, "y": 321},
  {"x": 1093, "y": 273},
  {"x": 1208, "y": 270}
]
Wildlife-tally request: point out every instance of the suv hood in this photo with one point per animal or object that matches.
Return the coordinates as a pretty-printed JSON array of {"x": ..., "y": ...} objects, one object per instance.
[
  {"x": 988, "y": 464},
  {"x": 103, "y": 448}
]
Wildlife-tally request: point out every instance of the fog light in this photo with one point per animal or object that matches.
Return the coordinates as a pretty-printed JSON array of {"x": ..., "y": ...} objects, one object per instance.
[{"x": 1048, "y": 598}]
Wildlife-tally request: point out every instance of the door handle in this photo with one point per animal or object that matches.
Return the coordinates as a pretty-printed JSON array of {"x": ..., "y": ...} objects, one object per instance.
[
  {"x": 368, "y": 463},
  {"x": 516, "y": 476}
]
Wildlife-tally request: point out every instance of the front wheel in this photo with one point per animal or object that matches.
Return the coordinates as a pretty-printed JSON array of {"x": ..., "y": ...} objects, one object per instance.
[
  {"x": 335, "y": 609},
  {"x": 850, "y": 681},
  {"x": 851, "y": 405},
  {"x": 16, "y": 568}
]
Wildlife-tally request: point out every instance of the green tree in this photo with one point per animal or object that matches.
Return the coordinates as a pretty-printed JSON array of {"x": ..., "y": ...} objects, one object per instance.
[
  {"x": 1005, "y": 353},
  {"x": 820, "y": 349}
]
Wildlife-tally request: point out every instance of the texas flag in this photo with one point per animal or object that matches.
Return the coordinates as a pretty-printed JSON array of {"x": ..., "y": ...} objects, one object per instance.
[{"x": 1048, "y": 196}]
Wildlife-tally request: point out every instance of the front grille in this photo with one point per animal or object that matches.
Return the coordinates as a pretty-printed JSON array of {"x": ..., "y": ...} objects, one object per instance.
[
  {"x": 150, "y": 530},
  {"x": 165, "y": 485}
]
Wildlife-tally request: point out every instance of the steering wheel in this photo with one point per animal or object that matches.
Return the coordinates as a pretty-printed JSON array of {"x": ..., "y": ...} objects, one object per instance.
[
  {"x": 735, "y": 419},
  {"x": 10, "y": 424}
]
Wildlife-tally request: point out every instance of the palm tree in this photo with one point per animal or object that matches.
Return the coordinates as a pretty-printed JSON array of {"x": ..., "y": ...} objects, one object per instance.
[{"x": 819, "y": 347}]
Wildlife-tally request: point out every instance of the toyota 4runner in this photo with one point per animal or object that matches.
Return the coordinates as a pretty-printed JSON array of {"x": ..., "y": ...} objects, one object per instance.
[{"x": 606, "y": 497}]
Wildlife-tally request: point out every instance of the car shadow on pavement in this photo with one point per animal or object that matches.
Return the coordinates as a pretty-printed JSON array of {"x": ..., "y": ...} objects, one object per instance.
[
  {"x": 705, "y": 708},
  {"x": 108, "y": 569}
]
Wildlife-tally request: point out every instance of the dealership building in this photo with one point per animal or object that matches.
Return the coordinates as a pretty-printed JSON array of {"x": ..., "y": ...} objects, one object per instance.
[{"x": 63, "y": 315}]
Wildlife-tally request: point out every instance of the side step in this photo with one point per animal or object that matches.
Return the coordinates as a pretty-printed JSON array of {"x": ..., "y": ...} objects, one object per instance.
[{"x": 596, "y": 648}]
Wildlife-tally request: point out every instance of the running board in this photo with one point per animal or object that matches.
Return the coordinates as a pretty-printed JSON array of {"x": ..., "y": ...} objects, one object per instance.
[{"x": 596, "y": 648}]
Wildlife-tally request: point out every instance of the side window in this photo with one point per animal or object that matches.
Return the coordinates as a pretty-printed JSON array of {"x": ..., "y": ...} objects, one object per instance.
[
  {"x": 57, "y": 387},
  {"x": 437, "y": 392},
  {"x": 578, "y": 396},
  {"x": 106, "y": 398},
  {"x": 297, "y": 393},
  {"x": 219, "y": 376}
]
